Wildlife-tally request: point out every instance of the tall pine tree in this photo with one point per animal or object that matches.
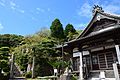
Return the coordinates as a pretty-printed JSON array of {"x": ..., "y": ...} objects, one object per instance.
[
  {"x": 70, "y": 32},
  {"x": 57, "y": 29},
  {"x": 69, "y": 29}
]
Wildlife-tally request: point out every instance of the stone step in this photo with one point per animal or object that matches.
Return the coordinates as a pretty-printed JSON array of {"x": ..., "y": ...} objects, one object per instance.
[
  {"x": 94, "y": 74},
  {"x": 109, "y": 74}
]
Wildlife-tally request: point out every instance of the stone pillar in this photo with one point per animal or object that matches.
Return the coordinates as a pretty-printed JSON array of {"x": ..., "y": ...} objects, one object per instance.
[
  {"x": 81, "y": 68},
  {"x": 118, "y": 52}
]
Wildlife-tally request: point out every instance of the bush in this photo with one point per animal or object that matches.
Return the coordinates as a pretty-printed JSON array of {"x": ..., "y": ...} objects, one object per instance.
[
  {"x": 4, "y": 77},
  {"x": 73, "y": 77},
  {"x": 28, "y": 75}
]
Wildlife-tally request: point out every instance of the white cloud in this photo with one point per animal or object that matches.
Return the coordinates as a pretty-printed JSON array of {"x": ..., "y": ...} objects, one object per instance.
[
  {"x": 40, "y": 10},
  {"x": 2, "y": 0},
  {"x": 85, "y": 10},
  {"x": 48, "y": 9},
  {"x": 1, "y": 27},
  {"x": 112, "y": 7},
  {"x": 108, "y": 6},
  {"x": 2, "y": 3},
  {"x": 33, "y": 18},
  {"x": 13, "y": 5},
  {"x": 96, "y": 2},
  {"x": 80, "y": 26},
  {"x": 13, "y": 8},
  {"x": 20, "y": 10},
  {"x": 37, "y": 12}
]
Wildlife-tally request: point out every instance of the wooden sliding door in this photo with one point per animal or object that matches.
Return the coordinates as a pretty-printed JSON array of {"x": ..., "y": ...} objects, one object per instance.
[
  {"x": 102, "y": 60},
  {"x": 105, "y": 60}
]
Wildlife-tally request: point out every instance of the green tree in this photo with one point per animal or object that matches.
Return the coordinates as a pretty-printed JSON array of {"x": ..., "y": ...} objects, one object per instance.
[
  {"x": 69, "y": 29},
  {"x": 70, "y": 32},
  {"x": 39, "y": 45},
  {"x": 10, "y": 40},
  {"x": 7, "y": 44},
  {"x": 57, "y": 29},
  {"x": 4, "y": 59}
]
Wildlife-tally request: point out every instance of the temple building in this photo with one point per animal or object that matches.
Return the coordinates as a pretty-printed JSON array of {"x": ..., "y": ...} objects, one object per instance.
[{"x": 96, "y": 52}]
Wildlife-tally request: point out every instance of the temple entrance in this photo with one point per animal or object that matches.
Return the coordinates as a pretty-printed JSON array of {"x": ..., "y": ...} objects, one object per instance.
[{"x": 86, "y": 66}]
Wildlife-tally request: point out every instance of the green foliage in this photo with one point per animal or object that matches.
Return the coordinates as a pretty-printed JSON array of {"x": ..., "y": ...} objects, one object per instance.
[
  {"x": 70, "y": 32},
  {"x": 21, "y": 56},
  {"x": 79, "y": 31},
  {"x": 57, "y": 29},
  {"x": 7, "y": 44},
  {"x": 71, "y": 36},
  {"x": 42, "y": 67},
  {"x": 40, "y": 45},
  {"x": 69, "y": 29},
  {"x": 4, "y": 59},
  {"x": 28, "y": 74},
  {"x": 4, "y": 77},
  {"x": 10, "y": 40},
  {"x": 73, "y": 77},
  {"x": 44, "y": 32},
  {"x": 59, "y": 63}
]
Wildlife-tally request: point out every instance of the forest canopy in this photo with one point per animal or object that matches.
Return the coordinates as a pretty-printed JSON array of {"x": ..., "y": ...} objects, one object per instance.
[{"x": 40, "y": 45}]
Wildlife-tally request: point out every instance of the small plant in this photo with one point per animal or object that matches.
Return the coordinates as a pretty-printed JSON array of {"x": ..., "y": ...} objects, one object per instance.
[
  {"x": 28, "y": 74},
  {"x": 73, "y": 77}
]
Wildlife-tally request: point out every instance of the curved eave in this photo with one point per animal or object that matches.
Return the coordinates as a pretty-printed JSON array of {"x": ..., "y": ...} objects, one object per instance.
[
  {"x": 110, "y": 15},
  {"x": 96, "y": 34},
  {"x": 88, "y": 26},
  {"x": 93, "y": 19}
]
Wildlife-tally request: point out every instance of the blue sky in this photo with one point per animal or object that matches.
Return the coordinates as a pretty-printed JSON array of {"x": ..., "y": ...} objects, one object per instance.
[{"x": 26, "y": 17}]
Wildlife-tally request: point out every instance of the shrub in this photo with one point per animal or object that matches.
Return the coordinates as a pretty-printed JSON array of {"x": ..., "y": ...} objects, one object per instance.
[
  {"x": 73, "y": 77},
  {"x": 28, "y": 74}
]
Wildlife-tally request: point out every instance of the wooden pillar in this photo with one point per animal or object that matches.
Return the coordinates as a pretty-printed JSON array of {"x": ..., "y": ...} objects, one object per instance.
[
  {"x": 115, "y": 68},
  {"x": 12, "y": 67},
  {"x": 118, "y": 52},
  {"x": 91, "y": 61},
  {"x": 33, "y": 65},
  {"x": 81, "y": 68},
  {"x": 87, "y": 53},
  {"x": 62, "y": 54},
  {"x": 71, "y": 65},
  {"x": 116, "y": 71}
]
